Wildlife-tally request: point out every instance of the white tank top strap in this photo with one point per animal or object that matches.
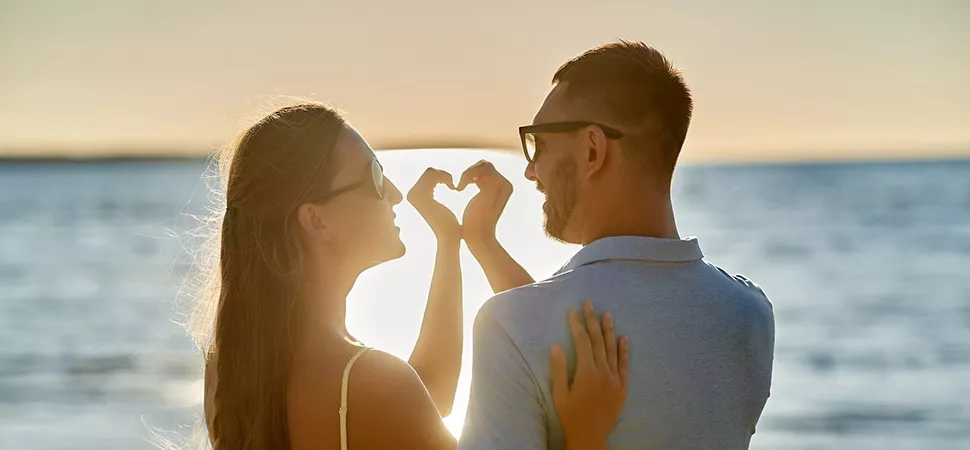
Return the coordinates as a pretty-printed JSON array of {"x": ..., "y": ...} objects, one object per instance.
[{"x": 343, "y": 397}]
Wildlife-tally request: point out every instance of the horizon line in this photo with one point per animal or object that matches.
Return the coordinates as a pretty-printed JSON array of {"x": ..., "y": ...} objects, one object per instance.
[
  {"x": 821, "y": 154},
  {"x": 165, "y": 158}
]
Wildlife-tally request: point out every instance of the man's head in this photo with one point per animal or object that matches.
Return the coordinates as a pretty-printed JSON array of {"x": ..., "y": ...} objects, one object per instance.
[{"x": 608, "y": 134}]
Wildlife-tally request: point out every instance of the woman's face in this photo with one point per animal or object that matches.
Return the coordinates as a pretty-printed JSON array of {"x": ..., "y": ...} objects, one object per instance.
[{"x": 355, "y": 226}]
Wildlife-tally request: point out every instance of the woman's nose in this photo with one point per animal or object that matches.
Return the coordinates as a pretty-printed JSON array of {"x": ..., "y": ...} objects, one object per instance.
[{"x": 391, "y": 193}]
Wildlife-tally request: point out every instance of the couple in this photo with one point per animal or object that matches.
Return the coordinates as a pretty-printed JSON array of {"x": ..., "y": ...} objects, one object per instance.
[{"x": 309, "y": 209}]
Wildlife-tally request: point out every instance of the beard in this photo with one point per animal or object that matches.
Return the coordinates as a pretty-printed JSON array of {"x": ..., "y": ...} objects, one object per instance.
[{"x": 561, "y": 199}]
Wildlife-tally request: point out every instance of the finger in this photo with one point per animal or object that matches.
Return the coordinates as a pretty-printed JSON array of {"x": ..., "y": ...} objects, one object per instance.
[
  {"x": 473, "y": 174},
  {"x": 434, "y": 177},
  {"x": 423, "y": 189},
  {"x": 609, "y": 338},
  {"x": 624, "y": 363},
  {"x": 560, "y": 382},
  {"x": 595, "y": 336},
  {"x": 584, "y": 353}
]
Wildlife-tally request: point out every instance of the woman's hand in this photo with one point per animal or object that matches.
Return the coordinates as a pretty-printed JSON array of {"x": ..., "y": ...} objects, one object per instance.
[
  {"x": 589, "y": 408},
  {"x": 443, "y": 222}
]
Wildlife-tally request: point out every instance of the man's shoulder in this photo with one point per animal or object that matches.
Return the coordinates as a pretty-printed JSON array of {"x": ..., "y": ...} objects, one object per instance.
[
  {"x": 521, "y": 301},
  {"x": 745, "y": 288},
  {"x": 501, "y": 307},
  {"x": 738, "y": 279}
]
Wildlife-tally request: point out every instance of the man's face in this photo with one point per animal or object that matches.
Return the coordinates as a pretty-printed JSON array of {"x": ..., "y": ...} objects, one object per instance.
[{"x": 554, "y": 168}]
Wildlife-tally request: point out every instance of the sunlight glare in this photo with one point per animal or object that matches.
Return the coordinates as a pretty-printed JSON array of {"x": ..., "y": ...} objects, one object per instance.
[{"x": 387, "y": 304}]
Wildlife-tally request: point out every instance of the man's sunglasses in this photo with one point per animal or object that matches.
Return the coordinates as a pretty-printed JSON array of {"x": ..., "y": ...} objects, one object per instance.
[
  {"x": 374, "y": 179},
  {"x": 528, "y": 134}
]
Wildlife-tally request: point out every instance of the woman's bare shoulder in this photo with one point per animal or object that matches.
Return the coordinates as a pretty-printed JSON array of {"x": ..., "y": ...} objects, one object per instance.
[
  {"x": 388, "y": 406},
  {"x": 383, "y": 381}
]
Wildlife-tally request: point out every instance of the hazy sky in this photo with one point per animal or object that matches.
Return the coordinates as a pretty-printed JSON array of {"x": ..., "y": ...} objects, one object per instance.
[{"x": 771, "y": 79}]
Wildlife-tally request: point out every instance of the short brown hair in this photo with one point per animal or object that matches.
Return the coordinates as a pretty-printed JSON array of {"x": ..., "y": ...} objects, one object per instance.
[{"x": 634, "y": 86}]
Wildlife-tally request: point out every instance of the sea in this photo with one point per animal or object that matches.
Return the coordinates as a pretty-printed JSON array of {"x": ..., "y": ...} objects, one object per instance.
[{"x": 867, "y": 266}]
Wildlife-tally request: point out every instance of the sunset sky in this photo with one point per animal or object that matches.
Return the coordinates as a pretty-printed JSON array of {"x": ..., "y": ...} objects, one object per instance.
[{"x": 771, "y": 79}]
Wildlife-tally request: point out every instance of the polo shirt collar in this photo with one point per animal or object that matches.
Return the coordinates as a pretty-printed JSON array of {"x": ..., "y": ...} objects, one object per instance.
[{"x": 638, "y": 248}]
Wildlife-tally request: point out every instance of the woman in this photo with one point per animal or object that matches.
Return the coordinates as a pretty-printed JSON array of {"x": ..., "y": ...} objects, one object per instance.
[{"x": 307, "y": 210}]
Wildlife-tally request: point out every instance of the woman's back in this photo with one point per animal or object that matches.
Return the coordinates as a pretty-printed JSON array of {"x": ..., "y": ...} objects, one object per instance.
[{"x": 313, "y": 396}]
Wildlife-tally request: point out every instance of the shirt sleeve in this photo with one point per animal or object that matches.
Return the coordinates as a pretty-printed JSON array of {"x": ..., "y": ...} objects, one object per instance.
[{"x": 505, "y": 406}]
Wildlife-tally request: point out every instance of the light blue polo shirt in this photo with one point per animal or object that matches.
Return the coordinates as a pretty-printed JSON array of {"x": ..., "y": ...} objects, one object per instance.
[{"x": 701, "y": 347}]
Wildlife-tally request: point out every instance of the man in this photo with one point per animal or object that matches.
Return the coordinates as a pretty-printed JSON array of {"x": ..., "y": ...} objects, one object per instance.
[{"x": 602, "y": 149}]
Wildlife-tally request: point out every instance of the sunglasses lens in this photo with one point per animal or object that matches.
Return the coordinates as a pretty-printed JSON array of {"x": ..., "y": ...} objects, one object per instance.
[{"x": 377, "y": 173}]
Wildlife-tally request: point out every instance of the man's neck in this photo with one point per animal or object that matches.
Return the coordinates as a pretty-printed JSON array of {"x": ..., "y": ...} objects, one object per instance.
[{"x": 653, "y": 216}]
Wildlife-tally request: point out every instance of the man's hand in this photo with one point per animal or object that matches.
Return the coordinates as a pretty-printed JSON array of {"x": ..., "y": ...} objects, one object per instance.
[
  {"x": 483, "y": 211},
  {"x": 443, "y": 222}
]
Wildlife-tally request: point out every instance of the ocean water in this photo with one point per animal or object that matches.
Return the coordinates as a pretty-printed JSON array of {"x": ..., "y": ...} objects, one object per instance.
[{"x": 867, "y": 265}]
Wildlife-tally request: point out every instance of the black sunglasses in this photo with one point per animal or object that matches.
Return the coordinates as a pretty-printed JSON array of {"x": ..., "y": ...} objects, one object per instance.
[
  {"x": 374, "y": 177},
  {"x": 528, "y": 134}
]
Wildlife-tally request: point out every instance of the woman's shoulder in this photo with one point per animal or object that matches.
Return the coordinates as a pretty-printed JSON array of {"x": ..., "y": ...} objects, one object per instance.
[
  {"x": 386, "y": 394},
  {"x": 381, "y": 375}
]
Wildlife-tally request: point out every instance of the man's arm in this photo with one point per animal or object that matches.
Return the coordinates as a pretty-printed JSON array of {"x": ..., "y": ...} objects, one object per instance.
[
  {"x": 478, "y": 227},
  {"x": 505, "y": 409},
  {"x": 503, "y": 272}
]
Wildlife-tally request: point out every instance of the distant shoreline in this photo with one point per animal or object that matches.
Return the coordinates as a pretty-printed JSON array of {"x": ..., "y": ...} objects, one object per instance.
[
  {"x": 694, "y": 156},
  {"x": 193, "y": 159}
]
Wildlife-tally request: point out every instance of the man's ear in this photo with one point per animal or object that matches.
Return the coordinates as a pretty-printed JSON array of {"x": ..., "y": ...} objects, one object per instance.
[{"x": 596, "y": 150}]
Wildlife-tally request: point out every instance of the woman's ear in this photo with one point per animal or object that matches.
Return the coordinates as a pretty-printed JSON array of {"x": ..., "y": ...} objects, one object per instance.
[{"x": 312, "y": 221}]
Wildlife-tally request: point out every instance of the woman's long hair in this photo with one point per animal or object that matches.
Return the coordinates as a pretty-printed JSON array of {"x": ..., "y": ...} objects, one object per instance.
[{"x": 282, "y": 161}]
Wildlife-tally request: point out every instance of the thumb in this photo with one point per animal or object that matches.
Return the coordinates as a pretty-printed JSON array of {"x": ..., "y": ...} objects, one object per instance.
[{"x": 560, "y": 382}]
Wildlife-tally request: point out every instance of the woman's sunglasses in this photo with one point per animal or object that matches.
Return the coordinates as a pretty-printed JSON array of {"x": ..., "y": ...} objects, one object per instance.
[{"x": 374, "y": 179}]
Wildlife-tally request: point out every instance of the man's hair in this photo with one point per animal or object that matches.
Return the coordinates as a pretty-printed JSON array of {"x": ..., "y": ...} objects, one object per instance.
[{"x": 635, "y": 87}]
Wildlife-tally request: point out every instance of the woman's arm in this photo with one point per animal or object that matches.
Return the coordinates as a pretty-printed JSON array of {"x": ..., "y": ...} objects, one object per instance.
[{"x": 437, "y": 354}]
